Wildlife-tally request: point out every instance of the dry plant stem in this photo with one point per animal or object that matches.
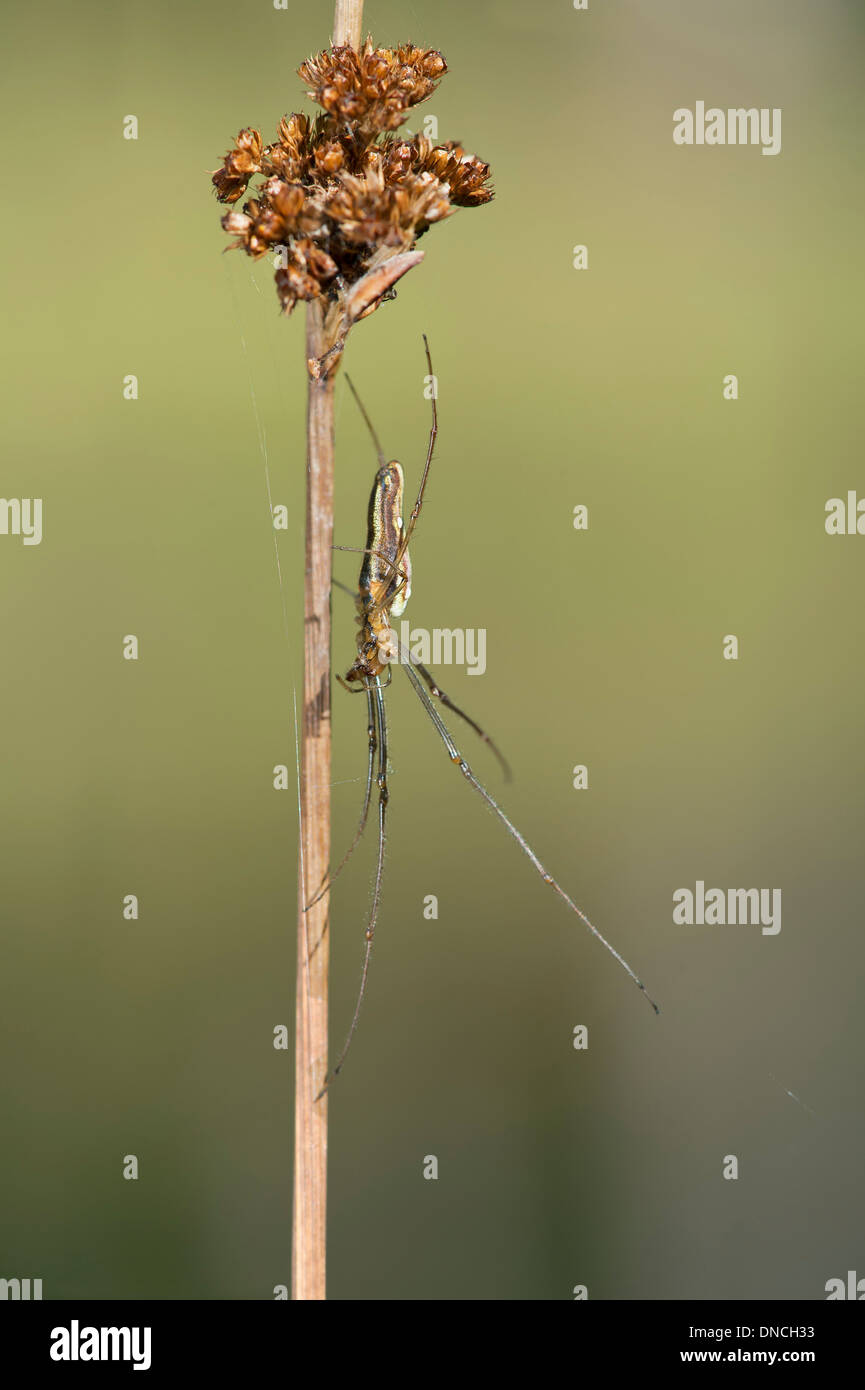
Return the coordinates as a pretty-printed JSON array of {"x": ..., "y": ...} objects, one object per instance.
[
  {"x": 348, "y": 22},
  {"x": 309, "y": 1262},
  {"x": 310, "y": 1166}
]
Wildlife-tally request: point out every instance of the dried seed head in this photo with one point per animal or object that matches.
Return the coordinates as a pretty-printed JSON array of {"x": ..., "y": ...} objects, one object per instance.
[
  {"x": 342, "y": 194},
  {"x": 329, "y": 157},
  {"x": 372, "y": 90},
  {"x": 290, "y": 156},
  {"x": 238, "y": 166}
]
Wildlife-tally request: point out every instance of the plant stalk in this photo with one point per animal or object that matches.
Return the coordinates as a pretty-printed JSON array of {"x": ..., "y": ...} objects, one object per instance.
[
  {"x": 309, "y": 1235},
  {"x": 309, "y": 1251},
  {"x": 313, "y": 940},
  {"x": 348, "y": 22}
]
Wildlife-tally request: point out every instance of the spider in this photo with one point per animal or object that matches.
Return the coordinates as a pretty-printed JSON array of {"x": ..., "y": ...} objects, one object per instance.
[{"x": 383, "y": 591}]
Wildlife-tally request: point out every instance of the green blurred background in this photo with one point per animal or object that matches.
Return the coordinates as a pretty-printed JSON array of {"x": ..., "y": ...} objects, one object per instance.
[{"x": 557, "y": 387}]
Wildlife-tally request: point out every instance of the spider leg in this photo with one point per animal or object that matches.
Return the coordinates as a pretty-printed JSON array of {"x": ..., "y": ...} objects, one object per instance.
[
  {"x": 379, "y": 875},
  {"x": 439, "y": 694},
  {"x": 434, "y": 429},
  {"x": 331, "y": 877},
  {"x": 459, "y": 761}
]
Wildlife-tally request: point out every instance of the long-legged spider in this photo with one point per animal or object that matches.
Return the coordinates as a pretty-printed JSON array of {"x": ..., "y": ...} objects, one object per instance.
[{"x": 384, "y": 589}]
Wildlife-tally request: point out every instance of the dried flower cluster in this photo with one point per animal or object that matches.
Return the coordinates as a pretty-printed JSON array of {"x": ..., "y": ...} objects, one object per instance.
[{"x": 342, "y": 194}]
